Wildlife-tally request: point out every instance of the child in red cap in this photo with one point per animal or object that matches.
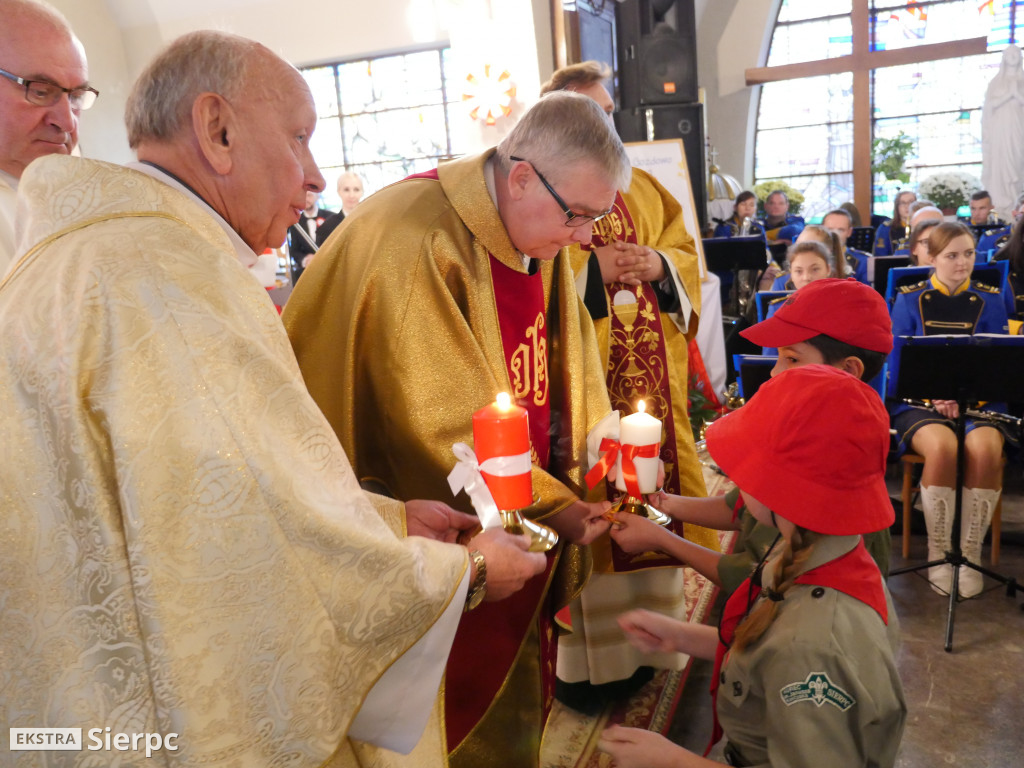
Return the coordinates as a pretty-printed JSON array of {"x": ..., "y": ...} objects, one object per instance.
[
  {"x": 805, "y": 650},
  {"x": 842, "y": 323}
]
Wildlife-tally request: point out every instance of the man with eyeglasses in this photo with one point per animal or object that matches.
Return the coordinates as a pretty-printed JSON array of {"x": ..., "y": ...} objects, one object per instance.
[
  {"x": 183, "y": 545},
  {"x": 43, "y": 89},
  {"x": 440, "y": 292},
  {"x": 636, "y": 277}
]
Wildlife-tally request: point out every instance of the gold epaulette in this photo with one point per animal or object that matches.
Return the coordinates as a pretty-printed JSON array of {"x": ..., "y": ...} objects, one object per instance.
[
  {"x": 983, "y": 288},
  {"x": 914, "y": 287},
  {"x": 776, "y": 301}
]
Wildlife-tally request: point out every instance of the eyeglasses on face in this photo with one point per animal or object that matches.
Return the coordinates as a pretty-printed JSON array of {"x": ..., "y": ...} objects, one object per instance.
[
  {"x": 45, "y": 94},
  {"x": 572, "y": 219}
]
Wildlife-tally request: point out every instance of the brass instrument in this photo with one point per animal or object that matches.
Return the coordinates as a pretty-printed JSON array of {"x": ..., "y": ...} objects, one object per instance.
[{"x": 974, "y": 413}]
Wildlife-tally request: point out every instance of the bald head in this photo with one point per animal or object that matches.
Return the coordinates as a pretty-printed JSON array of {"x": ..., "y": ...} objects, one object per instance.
[
  {"x": 233, "y": 121},
  {"x": 36, "y": 43}
]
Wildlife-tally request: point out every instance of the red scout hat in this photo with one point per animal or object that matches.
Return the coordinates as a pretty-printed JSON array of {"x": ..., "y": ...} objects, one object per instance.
[
  {"x": 811, "y": 445},
  {"x": 846, "y": 310}
]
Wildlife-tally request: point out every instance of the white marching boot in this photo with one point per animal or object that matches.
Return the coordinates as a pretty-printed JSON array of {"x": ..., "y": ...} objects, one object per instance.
[
  {"x": 978, "y": 504},
  {"x": 938, "y": 501}
]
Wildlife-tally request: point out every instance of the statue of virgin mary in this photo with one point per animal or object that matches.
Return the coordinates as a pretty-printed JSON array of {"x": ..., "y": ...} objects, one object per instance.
[{"x": 1002, "y": 129}]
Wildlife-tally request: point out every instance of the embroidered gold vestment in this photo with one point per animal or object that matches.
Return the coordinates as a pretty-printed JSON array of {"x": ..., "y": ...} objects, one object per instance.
[
  {"x": 397, "y": 333},
  {"x": 645, "y": 353},
  {"x": 183, "y": 545}
]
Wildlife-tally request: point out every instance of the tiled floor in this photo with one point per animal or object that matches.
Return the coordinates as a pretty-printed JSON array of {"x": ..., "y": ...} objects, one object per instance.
[{"x": 965, "y": 707}]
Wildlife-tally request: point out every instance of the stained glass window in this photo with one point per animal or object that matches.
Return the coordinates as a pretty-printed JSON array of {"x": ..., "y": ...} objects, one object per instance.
[
  {"x": 804, "y": 128},
  {"x": 383, "y": 118}
]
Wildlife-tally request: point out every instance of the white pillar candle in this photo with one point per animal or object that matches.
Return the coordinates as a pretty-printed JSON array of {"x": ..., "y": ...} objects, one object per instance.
[{"x": 640, "y": 429}]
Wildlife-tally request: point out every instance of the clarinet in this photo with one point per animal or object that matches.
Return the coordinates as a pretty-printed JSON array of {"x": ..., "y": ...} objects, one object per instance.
[{"x": 972, "y": 412}]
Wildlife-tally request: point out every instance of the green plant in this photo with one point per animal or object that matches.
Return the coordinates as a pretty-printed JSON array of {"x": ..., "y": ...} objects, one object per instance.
[
  {"x": 699, "y": 410},
  {"x": 890, "y": 155},
  {"x": 765, "y": 188}
]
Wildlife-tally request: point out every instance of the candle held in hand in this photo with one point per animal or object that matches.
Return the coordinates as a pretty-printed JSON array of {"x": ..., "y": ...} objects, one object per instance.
[
  {"x": 639, "y": 429},
  {"x": 502, "y": 430}
]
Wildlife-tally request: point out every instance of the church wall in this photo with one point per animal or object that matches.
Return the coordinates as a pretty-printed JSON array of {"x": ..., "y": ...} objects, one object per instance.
[
  {"x": 122, "y": 36},
  {"x": 101, "y": 132},
  {"x": 732, "y": 36}
]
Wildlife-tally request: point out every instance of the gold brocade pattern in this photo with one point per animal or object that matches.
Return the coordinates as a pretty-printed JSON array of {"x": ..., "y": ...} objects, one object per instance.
[
  {"x": 396, "y": 330},
  {"x": 183, "y": 544},
  {"x": 657, "y": 221},
  {"x": 596, "y": 649}
]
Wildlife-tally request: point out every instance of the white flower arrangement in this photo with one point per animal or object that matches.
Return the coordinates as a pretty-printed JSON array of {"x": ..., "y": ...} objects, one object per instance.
[{"x": 949, "y": 190}]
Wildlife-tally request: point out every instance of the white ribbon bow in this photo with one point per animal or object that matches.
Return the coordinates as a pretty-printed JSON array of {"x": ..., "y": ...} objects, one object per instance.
[{"x": 466, "y": 476}]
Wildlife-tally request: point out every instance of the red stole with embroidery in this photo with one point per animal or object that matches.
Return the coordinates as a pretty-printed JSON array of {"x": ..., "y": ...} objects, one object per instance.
[
  {"x": 638, "y": 368},
  {"x": 496, "y": 630}
]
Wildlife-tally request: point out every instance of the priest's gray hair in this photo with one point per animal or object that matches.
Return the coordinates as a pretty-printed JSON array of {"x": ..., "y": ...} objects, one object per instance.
[
  {"x": 562, "y": 131},
  {"x": 206, "y": 61}
]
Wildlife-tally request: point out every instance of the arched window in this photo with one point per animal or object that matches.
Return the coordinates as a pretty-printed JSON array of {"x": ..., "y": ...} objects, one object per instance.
[
  {"x": 805, "y": 127},
  {"x": 384, "y": 117}
]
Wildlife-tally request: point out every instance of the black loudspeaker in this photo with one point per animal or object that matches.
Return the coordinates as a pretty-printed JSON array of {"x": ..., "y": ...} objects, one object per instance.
[
  {"x": 672, "y": 121},
  {"x": 657, "y": 47}
]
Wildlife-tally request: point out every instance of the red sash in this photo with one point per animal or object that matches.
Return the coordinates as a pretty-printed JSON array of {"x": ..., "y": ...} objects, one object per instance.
[
  {"x": 489, "y": 638},
  {"x": 638, "y": 370},
  {"x": 854, "y": 574}
]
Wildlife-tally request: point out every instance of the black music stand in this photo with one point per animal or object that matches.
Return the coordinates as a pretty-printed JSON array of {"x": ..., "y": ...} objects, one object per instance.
[
  {"x": 732, "y": 254},
  {"x": 966, "y": 369}
]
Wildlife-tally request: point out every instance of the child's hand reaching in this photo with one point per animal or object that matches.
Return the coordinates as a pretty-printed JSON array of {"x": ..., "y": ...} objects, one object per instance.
[
  {"x": 651, "y": 632},
  {"x": 639, "y": 748},
  {"x": 636, "y": 534}
]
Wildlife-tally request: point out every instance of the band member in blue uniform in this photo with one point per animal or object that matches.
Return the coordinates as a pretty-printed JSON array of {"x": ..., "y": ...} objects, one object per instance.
[
  {"x": 892, "y": 232},
  {"x": 1013, "y": 251},
  {"x": 813, "y": 233},
  {"x": 743, "y": 222},
  {"x": 779, "y": 224},
  {"x": 841, "y": 222},
  {"x": 949, "y": 302}
]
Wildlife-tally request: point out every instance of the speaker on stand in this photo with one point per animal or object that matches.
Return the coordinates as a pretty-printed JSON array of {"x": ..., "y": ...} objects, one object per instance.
[{"x": 657, "y": 52}]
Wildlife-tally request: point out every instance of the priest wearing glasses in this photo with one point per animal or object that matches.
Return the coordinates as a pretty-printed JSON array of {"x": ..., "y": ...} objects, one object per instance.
[{"x": 438, "y": 293}]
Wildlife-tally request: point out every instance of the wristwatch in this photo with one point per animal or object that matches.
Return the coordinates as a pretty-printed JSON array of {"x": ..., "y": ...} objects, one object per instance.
[{"x": 478, "y": 588}]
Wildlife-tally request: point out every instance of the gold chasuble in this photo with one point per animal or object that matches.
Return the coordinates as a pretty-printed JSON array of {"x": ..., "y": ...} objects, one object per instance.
[
  {"x": 184, "y": 547},
  {"x": 417, "y": 312},
  {"x": 646, "y": 359}
]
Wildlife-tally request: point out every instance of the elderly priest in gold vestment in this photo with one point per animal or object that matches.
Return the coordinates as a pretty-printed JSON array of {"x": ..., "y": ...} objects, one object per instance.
[
  {"x": 185, "y": 549},
  {"x": 438, "y": 293}
]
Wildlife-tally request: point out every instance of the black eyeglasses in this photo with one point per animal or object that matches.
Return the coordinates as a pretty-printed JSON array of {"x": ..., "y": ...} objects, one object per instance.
[
  {"x": 46, "y": 94},
  {"x": 572, "y": 219}
]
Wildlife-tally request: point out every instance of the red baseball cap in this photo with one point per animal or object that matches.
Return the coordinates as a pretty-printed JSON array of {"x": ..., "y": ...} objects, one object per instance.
[
  {"x": 846, "y": 310},
  {"x": 811, "y": 445}
]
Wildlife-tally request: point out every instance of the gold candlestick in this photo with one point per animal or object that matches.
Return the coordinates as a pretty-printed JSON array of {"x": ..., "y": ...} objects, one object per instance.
[
  {"x": 640, "y": 506},
  {"x": 542, "y": 538}
]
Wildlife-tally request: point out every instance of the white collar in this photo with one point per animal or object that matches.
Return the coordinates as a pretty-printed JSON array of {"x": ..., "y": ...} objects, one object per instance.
[
  {"x": 492, "y": 190},
  {"x": 244, "y": 253},
  {"x": 9, "y": 180}
]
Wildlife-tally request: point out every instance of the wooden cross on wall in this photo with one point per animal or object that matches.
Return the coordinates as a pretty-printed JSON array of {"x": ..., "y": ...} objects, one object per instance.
[{"x": 861, "y": 62}]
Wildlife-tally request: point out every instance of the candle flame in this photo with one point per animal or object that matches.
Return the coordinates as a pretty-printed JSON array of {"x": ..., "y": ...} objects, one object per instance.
[
  {"x": 503, "y": 401},
  {"x": 641, "y": 406}
]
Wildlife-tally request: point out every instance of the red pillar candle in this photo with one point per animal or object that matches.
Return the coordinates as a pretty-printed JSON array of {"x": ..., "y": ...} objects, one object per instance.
[{"x": 502, "y": 429}]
